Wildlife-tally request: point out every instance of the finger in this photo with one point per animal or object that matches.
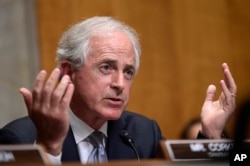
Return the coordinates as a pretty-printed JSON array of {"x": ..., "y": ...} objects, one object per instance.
[
  {"x": 67, "y": 96},
  {"x": 224, "y": 88},
  {"x": 27, "y": 96},
  {"x": 230, "y": 83},
  {"x": 211, "y": 91},
  {"x": 50, "y": 86},
  {"x": 228, "y": 95},
  {"x": 37, "y": 88},
  {"x": 60, "y": 91}
]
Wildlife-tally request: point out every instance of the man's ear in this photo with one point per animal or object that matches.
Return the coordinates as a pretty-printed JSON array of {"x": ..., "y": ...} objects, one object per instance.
[{"x": 66, "y": 69}]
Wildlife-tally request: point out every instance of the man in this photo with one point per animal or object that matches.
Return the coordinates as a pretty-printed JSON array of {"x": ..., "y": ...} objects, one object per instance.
[{"x": 98, "y": 59}]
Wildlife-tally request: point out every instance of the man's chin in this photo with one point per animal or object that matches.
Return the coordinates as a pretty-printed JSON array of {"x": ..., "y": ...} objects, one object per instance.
[{"x": 113, "y": 114}]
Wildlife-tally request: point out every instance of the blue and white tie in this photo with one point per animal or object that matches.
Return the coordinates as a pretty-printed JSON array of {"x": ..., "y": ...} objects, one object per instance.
[{"x": 98, "y": 154}]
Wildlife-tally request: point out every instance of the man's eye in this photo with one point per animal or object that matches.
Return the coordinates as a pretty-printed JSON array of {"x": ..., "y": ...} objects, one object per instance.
[
  {"x": 129, "y": 73},
  {"x": 105, "y": 68}
]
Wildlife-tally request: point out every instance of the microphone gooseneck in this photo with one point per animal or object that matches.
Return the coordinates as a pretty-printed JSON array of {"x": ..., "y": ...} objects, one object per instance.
[{"x": 125, "y": 137}]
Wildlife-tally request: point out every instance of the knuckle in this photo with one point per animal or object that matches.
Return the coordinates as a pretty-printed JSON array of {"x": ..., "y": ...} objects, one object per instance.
[
  {"x": 46, "y": 91},
  {"x": 35, "y": 92},
  {"x": 56, "y": 95}
]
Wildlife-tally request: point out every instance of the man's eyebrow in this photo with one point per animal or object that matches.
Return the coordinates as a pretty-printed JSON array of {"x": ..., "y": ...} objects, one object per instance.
[
  {"x": 113, "y": 61},
  {"x": 109, "y": 60},
  {"x": 130, "y": 67}
]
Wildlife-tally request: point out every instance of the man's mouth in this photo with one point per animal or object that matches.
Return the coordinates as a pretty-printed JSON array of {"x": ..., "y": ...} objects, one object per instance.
[{"x": 116, "y": 102}]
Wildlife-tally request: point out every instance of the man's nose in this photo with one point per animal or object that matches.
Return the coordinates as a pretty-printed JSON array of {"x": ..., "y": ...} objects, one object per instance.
[{"x": 118, "y": 82}]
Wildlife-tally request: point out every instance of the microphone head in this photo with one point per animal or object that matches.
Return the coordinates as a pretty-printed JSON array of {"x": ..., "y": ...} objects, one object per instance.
[
  {"x": 129, "y": 141},
  {"x": 125, "y": 137}
]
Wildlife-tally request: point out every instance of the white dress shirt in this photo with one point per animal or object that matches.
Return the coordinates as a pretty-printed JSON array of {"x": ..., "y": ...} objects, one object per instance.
[{"x": 80, "y": 131}]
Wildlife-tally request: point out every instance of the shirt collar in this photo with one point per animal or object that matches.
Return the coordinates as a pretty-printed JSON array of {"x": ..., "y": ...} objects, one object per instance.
[{"x": 82, "y": 130}]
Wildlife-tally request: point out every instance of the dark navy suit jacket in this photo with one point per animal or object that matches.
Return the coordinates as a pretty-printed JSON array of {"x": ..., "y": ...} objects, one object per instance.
[{"x": 144, "y": 132}]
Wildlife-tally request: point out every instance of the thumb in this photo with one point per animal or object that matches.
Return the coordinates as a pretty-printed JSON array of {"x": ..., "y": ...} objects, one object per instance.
[
  {"x": 27, "y": 96},
  {"x": 211, "y": 91}
]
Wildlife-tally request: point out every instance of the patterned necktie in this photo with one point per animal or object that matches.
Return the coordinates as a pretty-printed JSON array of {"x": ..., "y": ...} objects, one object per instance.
[{"x": 98, "y": 154}]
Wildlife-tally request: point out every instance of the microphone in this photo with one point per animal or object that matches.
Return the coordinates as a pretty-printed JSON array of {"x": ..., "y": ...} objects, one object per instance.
[{"x": 125, "y": 137}]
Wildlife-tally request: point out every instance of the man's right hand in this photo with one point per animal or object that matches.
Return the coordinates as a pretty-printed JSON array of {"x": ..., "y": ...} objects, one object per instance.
[{"x": 47, "y": 106}]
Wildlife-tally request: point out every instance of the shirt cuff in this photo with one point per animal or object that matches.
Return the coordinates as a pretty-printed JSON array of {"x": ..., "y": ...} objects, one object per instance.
[{"x": 55, "y": 160}]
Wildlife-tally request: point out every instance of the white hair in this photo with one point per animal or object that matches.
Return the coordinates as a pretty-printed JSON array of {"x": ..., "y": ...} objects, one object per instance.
[{"x": 74, "y": 44}]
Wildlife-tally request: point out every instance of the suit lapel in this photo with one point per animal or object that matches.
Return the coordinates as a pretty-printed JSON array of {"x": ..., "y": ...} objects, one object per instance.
[
  {"x": 116, "y": 149},
  {"x": 70, "y": 151}
]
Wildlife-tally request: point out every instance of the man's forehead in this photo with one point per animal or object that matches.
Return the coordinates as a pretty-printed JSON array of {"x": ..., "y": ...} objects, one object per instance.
[{"x": 115, "y": 47}]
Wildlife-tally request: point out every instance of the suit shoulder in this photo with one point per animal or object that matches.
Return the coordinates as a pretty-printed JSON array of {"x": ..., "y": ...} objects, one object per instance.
[
  {"x": 21, "y": 130},
  {"x": 23, "y": 122},
  {"x": 129, "y": 114}
]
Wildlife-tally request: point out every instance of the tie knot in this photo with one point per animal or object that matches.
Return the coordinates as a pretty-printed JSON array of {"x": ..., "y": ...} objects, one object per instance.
[{"x": 97, "y": 139}]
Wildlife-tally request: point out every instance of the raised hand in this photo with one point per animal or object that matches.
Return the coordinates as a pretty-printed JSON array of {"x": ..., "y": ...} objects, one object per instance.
[
  {"x": 47, "y": 106},
  {"x": 216, "y": 113}
]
